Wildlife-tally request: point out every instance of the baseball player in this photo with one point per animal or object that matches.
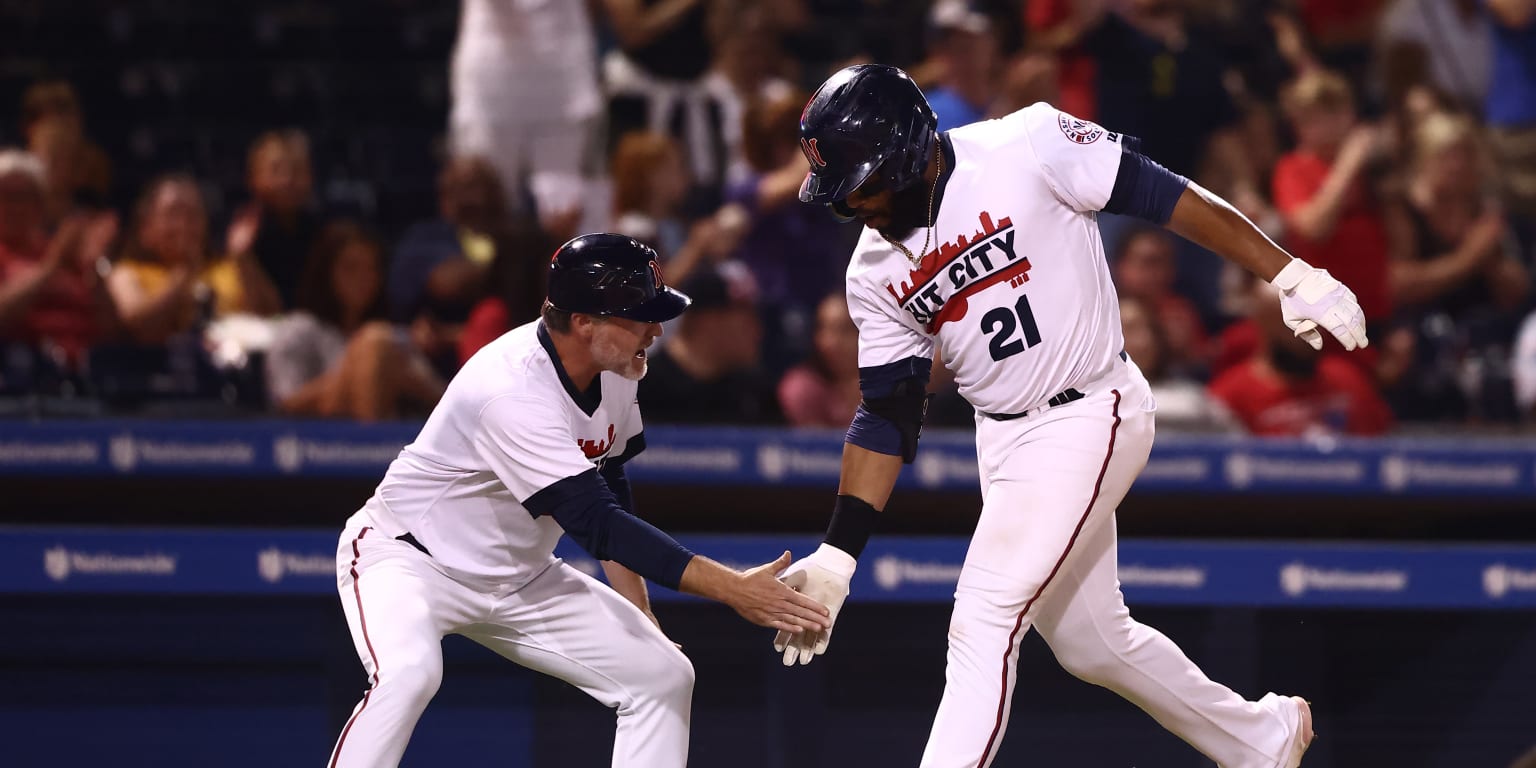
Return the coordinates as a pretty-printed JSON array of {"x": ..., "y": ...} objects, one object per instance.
[
  {"x": 982, "y": 242},
  {"x": 529, "y": 442}
]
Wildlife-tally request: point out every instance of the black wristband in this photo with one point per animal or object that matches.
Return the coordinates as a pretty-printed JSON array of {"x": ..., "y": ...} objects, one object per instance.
[{"x": 853, "y": 519}]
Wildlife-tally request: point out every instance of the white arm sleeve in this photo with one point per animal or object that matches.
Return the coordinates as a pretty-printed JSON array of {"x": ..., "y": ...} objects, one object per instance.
[
  {"x": 528, "y": 444},
  {"x": 1078, "y": 159}
]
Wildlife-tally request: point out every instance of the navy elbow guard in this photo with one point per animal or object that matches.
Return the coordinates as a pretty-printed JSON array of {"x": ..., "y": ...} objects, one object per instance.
[{"x": 905, "y": 408}]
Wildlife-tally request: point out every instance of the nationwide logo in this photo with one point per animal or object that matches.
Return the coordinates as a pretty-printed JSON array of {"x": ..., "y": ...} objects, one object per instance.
[
  {"x": 61, "y": 562},
  {"x": 892, "y": 571},
  {"x": 1167, "y": 577},
  {"x": 127, "y": 453},
  {"x": 122, "y": 453},
  {"x": 938, "y": 469},
  {"x": 288, "y": 453},
  {"x": 1189, "y": 469},
  {"x": 292, "y": 453},
  {"x": 936, "y": 291},
  {"x": 776, "y": 461},
  {"x": 1242, "y": 470},
  {"x": 274, "y": 564},
  {"x": 1297, "y": 579},
  {"x": 715, "y": 459},
  {"x": 56, "y": 563},
  {"x": 67, "y": 452},
  {"x": 1500, "y": 579},
  {"x": 1399, "y": 473}
]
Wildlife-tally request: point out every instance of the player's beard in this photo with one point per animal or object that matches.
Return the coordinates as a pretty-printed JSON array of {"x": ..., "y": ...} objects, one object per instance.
[
  {"x": 909, "y": 212},
  {"x": 611, "y": 356}
]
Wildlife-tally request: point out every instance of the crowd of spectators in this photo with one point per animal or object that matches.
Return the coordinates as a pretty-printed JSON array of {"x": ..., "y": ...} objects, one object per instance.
[{"x": 1392, "y": 142}]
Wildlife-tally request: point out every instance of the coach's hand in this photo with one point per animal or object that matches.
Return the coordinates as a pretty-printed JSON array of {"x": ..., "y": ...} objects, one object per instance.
[
  {"x": 1310, "y": 297},
  {"x": 824, "y": 576},
  {"x": 762, "y": 599}
]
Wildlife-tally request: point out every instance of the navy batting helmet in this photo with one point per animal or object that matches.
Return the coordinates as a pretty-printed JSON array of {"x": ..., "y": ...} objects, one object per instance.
[
  {"x": 865, "y": 119},
  {"x": 614, "y": 276}
]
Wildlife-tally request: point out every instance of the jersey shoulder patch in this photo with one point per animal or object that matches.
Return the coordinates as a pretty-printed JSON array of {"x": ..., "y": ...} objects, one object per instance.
[{"x": 1078, "y": 130}]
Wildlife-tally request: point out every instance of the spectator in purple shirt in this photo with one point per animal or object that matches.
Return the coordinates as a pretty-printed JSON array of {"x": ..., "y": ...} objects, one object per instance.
[{"x": 797, "y": 253}]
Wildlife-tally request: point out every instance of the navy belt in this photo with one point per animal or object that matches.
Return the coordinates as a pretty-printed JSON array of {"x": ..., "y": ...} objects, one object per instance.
[{"x": 1060, "y": 398}]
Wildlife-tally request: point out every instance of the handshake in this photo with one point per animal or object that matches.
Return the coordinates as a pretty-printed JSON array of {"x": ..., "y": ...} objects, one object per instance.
[{"x": 822, "y": 576}]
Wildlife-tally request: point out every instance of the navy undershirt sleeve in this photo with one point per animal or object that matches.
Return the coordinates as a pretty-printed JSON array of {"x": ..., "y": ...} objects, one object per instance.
[
  {"x": 1145, "y": 189},
  {"x": 586, "y": 507},
  {"x": 618, "y": 484}
]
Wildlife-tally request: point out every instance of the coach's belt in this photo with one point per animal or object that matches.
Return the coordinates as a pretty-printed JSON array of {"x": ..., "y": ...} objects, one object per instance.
[{"x": 1060, "y": 398}]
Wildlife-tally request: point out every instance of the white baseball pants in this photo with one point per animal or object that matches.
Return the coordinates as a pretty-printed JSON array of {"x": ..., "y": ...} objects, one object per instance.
[
  {"x": 1044, "y": 555},
  {"x": 400, "y": 605}
]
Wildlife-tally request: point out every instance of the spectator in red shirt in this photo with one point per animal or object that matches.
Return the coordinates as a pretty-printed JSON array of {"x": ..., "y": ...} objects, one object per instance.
[
  {"x": 515, "y": 287},
  {"x": 51, "y": 295},
  {"x": 1145, "y": 270},
  {"x": 1052, "y": 26},
  {"x": 1332, "y": 216},
  {"x": 1288, "y": 390}
]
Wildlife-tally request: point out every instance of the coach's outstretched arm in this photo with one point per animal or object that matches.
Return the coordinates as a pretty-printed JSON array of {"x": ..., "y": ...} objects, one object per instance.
[
  {"x": 587, "y": 510},
  {"x": 1310, "y": 298},
  {"x": 528, "y": 444}
]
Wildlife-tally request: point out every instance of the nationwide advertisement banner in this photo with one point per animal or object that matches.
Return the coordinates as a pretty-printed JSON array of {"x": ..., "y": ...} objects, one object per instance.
[
  {"x": 1461, "y": 468},
  {"x": 892, "y": 569}
]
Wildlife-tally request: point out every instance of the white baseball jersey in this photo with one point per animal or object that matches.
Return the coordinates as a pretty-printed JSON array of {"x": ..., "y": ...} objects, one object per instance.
[
  {"x": 1015, "y": 289},
  {"x": 510, "y": 425}
]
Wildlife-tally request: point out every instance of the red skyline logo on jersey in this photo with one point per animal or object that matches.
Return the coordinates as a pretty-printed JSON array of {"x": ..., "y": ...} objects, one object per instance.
[
  {"x": 593, "y": 449},
  {"x": 936, "y": 291}
]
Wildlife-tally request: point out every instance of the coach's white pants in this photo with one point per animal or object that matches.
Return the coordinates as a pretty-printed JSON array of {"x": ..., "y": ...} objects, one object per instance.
[
  {"x": 1043, "y": 555},
  {"x": 400, "y": 605}
]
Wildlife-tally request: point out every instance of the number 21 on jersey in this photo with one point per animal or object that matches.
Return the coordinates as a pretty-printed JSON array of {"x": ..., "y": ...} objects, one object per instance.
[{"x": 1002, "y": 323}]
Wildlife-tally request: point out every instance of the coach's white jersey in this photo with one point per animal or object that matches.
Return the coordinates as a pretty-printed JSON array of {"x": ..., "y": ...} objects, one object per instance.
[
  {"x": 1015, "y": 289},
  {"x": 510, "y": 425}
]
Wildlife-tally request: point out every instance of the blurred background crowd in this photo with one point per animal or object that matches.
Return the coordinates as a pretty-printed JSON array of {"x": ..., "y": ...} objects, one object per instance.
[{"x": 322, "y": 209}]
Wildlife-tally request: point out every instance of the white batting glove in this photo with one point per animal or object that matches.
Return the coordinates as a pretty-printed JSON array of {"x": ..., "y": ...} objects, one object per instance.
[
  {"x": 823, "y": 576},
  {"x": 1311, "y": 298}
]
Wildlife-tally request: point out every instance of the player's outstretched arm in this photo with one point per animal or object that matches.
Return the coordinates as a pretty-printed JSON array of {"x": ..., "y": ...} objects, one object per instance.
[
  {"x": 1310, "y": 298},
  {"x": 757, "y": 595},
  {"x": 867, "y": 480}
]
